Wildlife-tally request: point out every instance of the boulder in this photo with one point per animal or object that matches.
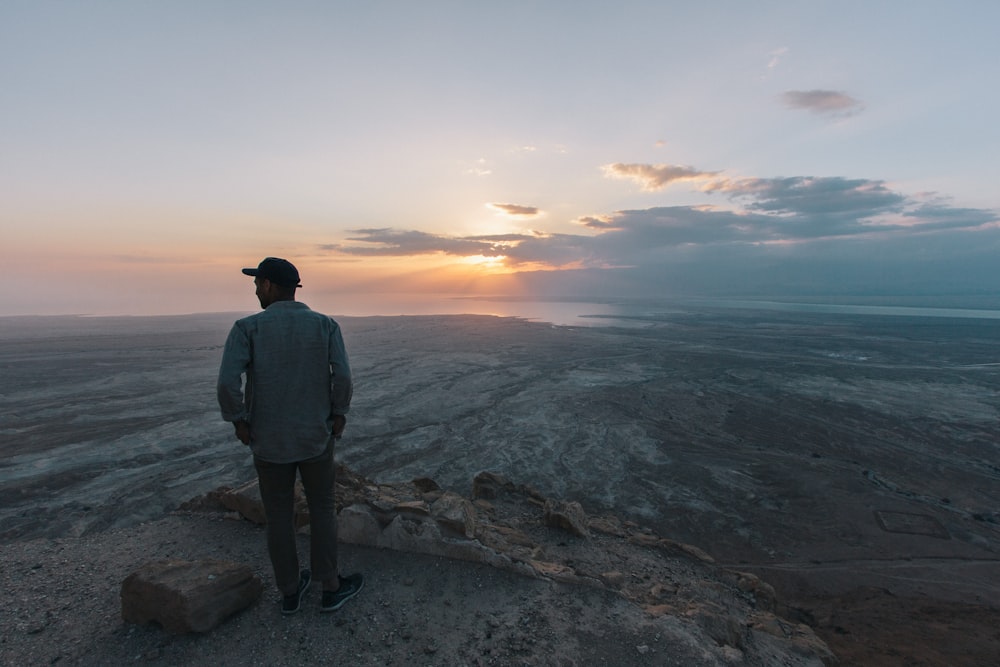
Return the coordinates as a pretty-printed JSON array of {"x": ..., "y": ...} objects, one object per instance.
[
  {"x": 568, "y": 516},
  {"x": 245, "y": 499},
  {"x": 188, "y": 596},
  {"x": 455, "y": 513},
  {"x": 357, "y": 524}
]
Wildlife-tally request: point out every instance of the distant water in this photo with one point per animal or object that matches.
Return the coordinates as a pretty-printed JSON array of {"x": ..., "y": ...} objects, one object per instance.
[
  {"x": 856, "y": 309},
  {"x": 621, "y": 312},
  {"x": 557, "y": 312}
]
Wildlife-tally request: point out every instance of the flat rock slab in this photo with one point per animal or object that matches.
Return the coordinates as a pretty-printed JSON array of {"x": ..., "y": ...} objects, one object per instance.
[{"x": 188, "y": 596}]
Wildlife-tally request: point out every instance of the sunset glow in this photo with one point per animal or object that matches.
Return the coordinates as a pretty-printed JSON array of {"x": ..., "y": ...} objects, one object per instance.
[
  {"x": 403, "y": 148},
  {"x": 493, "y": 264}
]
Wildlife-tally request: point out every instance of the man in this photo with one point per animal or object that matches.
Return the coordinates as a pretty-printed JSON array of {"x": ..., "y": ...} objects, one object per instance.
[{"x": 290, "y": 411}]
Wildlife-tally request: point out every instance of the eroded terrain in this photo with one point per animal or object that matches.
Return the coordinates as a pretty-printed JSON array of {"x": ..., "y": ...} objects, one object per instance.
[{"x": 852, "y": 461}]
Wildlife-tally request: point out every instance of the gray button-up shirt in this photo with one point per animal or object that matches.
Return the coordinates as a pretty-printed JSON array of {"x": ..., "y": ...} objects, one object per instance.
[{"x": 296, "y": 379}]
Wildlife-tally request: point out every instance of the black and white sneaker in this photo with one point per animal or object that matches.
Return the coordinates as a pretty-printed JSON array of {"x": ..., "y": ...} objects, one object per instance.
[
  {"x": 350, "y": 586},
  {"x": 291, "y": 603}
]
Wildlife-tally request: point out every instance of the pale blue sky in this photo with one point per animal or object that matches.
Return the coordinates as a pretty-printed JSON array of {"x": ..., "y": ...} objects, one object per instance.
[{"x": 149, "y": 149}]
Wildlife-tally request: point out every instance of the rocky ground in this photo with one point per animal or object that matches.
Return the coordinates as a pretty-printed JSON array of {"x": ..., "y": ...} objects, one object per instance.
[
  {"x": 851, "y": 462},
  {"x": 62, "y": 607},
  {"x": 563, "y": 591}
]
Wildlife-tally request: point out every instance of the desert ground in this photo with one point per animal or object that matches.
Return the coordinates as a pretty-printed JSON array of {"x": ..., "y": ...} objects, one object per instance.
[{"x": 852, "y": 461}]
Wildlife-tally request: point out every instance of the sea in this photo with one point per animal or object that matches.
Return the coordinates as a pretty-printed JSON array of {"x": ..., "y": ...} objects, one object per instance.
[{"x": 645, "y": 312}]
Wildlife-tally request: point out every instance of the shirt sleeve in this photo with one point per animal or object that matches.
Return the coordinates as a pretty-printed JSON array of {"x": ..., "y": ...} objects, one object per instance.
[
  {"x": 235, "y": 362},
  {"x": 341, "y": 385}
]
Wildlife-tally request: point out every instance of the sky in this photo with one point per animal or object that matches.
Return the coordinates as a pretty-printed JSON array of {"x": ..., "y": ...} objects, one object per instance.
[{"x": 798, "y": 149}]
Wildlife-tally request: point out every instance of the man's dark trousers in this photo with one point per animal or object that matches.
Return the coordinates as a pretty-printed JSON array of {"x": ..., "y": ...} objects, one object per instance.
[{"x": 277, "y": 492}]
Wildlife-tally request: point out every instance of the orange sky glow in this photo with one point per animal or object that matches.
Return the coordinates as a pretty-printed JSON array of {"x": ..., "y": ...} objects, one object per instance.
[{"x": 151, "y": 150}]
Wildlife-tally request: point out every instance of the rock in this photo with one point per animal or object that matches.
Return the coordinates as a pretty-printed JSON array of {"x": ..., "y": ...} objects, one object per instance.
[
  {"x": 188, "y": 596},
  {"x": 426, "y": 484},
  {"x": 207, "y": 502},
  {"x": 510, "y": 526},
  {"x": 763, "y": 592},
  {"x": 509, "y": 536},
  {"x": 721, "y": 625},
  {"x": 692, "y": 550},
  {"x": 488, "y": 485},
  {"x": 660, "y": 590},
  {"x": 482, "y": 505},
  {"x": 408, "y": 535},
  {"x": 793, "y": 637},
  {"x": 613, "y": 579},
  {"x": 455, "y": 513},
  {"x": 556, "y": 571},
  {"x": 418, "y": 507},
  {"x": 606, "y": 525},
  {"x": 245, "y": 499},
  {"x": 357, "y": 524},
  {"x": 568, "y": 516},
  {"x": 645, "y": 540}
]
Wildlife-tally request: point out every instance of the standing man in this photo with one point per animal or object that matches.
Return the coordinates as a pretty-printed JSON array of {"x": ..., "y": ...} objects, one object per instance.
[{"x": 289, "y": 411}]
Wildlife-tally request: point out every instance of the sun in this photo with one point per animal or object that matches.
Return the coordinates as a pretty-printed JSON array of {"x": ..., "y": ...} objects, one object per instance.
[{"x": 493, "y": 264}]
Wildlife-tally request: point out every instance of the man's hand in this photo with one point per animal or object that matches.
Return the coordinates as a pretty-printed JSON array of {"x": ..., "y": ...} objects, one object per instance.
[
  {"x": 242, "y": 431},
  {"x": 339, "y": 423}
]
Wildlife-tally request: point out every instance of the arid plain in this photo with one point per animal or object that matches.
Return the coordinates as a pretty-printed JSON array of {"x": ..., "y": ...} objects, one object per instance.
[{"x": 852, "y": 461}]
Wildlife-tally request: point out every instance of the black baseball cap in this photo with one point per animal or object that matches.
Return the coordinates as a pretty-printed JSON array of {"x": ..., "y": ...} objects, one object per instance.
[{"x": 278, "y": 271}]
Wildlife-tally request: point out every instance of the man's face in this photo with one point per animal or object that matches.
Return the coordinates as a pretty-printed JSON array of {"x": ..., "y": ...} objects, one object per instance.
[{"x": 263, "y": 291}]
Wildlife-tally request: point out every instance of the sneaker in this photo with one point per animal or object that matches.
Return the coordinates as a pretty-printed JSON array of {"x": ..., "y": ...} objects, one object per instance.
[
  {"x": 350, "y": 586},
  {"x": 291, "y": 603}
]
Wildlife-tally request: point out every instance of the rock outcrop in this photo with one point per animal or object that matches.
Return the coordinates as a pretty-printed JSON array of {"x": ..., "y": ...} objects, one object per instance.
[
  {"x": 515, "y": 527},
  {"x": 188, "y": 596}
]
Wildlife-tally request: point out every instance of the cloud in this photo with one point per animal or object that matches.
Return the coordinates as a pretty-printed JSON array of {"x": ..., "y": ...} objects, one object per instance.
[
  {"x": 388, "y": 242},
  {"x": 653, "y": 177},
  {"x": 770, "y": 211},
  {"x": 798, "y": 234},
  {"x": 479, "y": 168},
  {"x": 554, "y": 251},
  {"x": 516, "y": 210},
  {"x": 776, "y": 56},
  {"x": 541, "y": 249},
  {"x": 885, "y": 244},
  {"x": 788, "y": 210},
  {"x": 823, "y": 204},
  {"x": 827, "y": 102},
  {"x": 597, "y": 221}
]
